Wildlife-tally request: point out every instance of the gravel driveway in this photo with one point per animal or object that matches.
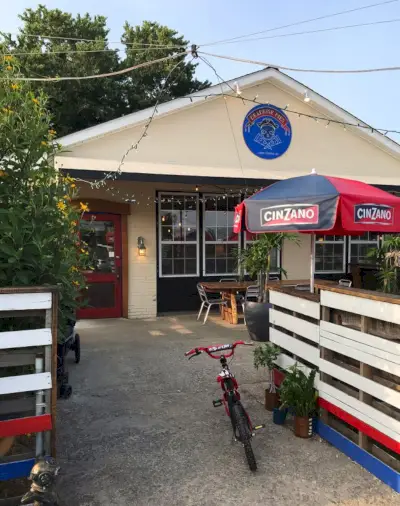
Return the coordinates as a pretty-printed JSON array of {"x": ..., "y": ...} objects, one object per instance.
[{"x": 140, "y": 429}]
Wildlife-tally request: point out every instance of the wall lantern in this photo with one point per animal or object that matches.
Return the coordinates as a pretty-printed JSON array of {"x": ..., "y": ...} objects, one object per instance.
[{"x": 141, "y": 247}]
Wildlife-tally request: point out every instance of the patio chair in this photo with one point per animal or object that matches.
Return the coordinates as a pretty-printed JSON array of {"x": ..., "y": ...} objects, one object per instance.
[
  {"x": 273, "y": 278},
  {"x": 345, "y": 282},
  {"x": 207, "y": 303},
  {"x": 251, "y": 294}
]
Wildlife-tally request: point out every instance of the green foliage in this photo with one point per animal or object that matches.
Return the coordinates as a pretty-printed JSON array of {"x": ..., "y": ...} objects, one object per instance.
[
  {"x": 265, "y": 355},
  {"x": 39, "y": 240},
  {"x": 387, "y": 257},
  {"x": 256, "y": 258},
  {"x": 297, "y": 392},
  {"x": 99, "y": 99}
]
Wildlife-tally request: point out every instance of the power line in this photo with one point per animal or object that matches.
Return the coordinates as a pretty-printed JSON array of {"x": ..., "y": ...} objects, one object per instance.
[
  {"x": 105, "y": 41},
  {"x": 326, "y": 16},
  {"x": 318, "y": 71},
  {"x": 73, "y": 51},
  {"x": 334, "y": 28},
  {"x": 96, "y": 76}
]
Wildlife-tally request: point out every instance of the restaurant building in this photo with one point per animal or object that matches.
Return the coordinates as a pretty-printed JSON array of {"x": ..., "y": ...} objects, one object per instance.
[{"x": 162, "y": 220}]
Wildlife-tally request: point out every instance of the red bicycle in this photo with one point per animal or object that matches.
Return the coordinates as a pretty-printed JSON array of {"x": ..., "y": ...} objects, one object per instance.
[{"x": 243, "y": 429}]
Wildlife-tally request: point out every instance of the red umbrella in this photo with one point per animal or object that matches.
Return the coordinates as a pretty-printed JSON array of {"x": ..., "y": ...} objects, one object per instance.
[{"x": 319, "y": 204}]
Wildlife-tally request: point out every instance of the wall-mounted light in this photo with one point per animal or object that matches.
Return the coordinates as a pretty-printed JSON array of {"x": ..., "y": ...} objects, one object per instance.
[
  {"x": 306, "y": 97},
  {"x": 141, "y": 247}
]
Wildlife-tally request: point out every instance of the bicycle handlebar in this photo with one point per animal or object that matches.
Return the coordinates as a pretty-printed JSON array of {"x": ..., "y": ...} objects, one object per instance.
[{"x": 210, "y": 350}]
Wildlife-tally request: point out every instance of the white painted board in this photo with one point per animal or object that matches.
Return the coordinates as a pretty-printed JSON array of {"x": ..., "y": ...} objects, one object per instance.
[
  {"x": 297, "y": 304},
  {"x": 24, "y": 301},
  {"x": 297, "y": 325},
  {"x": 25, "y": 338},
  {"x": 25, "y": 383}
]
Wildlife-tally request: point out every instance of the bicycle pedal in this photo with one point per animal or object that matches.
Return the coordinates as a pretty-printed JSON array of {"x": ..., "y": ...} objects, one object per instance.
[
  {"x": 258, "y": 427},
  {"x": 217, "y": 403}
]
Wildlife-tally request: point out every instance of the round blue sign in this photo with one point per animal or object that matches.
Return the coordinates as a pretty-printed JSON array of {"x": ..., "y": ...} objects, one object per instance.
[{"x": 267, "y": 131}]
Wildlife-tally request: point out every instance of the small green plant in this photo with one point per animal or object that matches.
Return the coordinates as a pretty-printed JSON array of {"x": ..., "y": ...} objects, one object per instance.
[
  {"x": 297, "y": 392},
  {"x": 265, "y": 356},
  {"x": 256, "y": 258},
  {"x": 387, "y": 257}
]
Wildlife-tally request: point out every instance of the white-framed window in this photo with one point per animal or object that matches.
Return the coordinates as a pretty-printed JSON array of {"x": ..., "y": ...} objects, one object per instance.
[
  {"x": 330, "y": 253},
  {"x": 178, "y": 234},
  {"x": 360, "y": 245},
  {"x": 275, "y": 255},
  {"x": 219, "y": 241}
]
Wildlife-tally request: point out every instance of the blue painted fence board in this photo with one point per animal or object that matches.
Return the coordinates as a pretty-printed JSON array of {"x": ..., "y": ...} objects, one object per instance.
[
  {"x": 365, "y": 459},
  {"x": 13, "y": 470}
]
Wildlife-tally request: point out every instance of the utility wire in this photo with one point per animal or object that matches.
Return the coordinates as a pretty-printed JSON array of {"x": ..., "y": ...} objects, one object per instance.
[
  {"x": 77, "y": 39},
  {"x": 73, "y": 51},
  {"x": 326, "y": 16},
  {"x": 334, "y": 28},
  {"x": 97, "y": 76},
  {"x": 318, "y": 71}
]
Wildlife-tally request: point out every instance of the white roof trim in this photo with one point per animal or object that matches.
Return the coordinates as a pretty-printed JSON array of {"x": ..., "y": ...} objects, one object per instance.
[{"x": 297, "y": 89}]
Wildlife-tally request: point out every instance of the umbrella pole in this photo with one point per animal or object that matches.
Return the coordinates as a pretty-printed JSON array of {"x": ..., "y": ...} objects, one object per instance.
[{"x": 312, "y": 261}]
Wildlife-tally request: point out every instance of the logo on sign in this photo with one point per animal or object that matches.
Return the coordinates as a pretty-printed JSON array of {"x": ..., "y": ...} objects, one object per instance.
[
  {"x": 267, "y": 131},
  {"x": 373, "y": 214},
  {"x": 295, "y": 214}
]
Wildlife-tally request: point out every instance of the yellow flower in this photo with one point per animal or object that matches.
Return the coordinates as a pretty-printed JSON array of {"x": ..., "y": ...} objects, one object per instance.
[
  {"x": 86, "y": 252},
  {"x": 61, "y": 206},
  {"x": 74, "y": 223},
  {"x": 14, "y": 87},
  {"x": 76, "y": 283},
  {"x": 52, "y": 132},
  {"x": 35, "y": 101},
  {"x": 73, "y": 185},
  {"x": 84, "y": 207},
  {"x": 2, "y": 173},
  {"x": 7, "y": 110},
  {"x": 8, "y": 57},
  {"x": 43, "y": 143},
  {"x": 67, "y": 197},
  {"x": 8, "y": 67},
  {"x": 83, "y": 251},
  {"x": 74, "y": 269}
]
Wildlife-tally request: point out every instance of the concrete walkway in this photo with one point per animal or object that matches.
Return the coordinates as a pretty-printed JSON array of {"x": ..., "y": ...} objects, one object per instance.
[{"x": 140, "y": 429}]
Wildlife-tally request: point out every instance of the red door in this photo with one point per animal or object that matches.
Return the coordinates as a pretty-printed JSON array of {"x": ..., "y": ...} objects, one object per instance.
[{"x": 102, "y": 233}]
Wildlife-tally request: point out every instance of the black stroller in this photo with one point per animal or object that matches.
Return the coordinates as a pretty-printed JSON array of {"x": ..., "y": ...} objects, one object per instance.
[{"x": 73, "y": 343}]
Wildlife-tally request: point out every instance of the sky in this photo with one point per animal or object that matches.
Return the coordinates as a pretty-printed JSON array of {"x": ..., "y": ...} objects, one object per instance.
[{"x": 373, "y": 97}]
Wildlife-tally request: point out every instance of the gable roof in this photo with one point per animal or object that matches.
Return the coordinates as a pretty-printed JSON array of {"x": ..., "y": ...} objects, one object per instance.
[{"x": 272, "y": 75}]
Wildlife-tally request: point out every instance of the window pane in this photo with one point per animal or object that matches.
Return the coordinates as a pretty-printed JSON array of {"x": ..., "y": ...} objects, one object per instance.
[
  {"x": 191, "y": 251},
  {"x": 166, "y": 233},
  {"x": 179, "y": 266},
  {"x": 166, "y": 251},
  {"x": 221, "y": 265},
  {"x": 220, "y": 250},
  {"x": 179, "y": 251},
  {"x": 210, "y": 266},
  {"x": 167, "y": 267},
  {"x": 210, "y": 234},
  {"x": 231, "y": 266},
  {"x": 329, "y": 251},
  {"x": 190, "y": 266}
]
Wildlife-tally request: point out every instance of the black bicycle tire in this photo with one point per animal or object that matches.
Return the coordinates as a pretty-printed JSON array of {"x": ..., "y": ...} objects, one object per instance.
[{"x": 245, "y": 435}]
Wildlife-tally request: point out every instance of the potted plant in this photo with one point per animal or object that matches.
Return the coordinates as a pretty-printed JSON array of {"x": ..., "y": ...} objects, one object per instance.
[
  {"x": 387, "y": 257},
  {"x": 297, "y": 392},
  {"x": 255, "y": 261},
  {"x": 265, "y": 356}
]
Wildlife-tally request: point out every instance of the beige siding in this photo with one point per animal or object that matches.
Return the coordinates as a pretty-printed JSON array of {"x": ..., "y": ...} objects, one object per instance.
[
  {"x": 296, "y": 258},
  {"x": 199, "y": 141}
]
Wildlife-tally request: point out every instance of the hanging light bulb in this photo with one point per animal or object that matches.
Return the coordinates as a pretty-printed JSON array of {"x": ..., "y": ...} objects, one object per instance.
[{"x": 306, "y": 97}]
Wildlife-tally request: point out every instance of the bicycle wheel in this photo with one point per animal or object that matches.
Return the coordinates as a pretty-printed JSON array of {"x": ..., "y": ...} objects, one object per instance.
[{"x": 245, "y": 436}]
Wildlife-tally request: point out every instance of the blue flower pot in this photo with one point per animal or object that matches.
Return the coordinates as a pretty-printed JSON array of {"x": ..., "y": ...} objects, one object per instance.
[{"x": 279, "y": 416}]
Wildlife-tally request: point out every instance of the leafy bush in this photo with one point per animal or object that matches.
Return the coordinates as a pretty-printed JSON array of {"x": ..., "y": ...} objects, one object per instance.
[{"x": 39, "y": 235}]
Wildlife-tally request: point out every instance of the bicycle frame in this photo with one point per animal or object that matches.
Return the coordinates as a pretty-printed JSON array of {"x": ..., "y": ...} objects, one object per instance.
[{"x": 230, "y": 388}]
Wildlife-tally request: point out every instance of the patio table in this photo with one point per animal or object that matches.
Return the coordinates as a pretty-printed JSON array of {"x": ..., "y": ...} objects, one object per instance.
[{"x": 229, "y": 289}]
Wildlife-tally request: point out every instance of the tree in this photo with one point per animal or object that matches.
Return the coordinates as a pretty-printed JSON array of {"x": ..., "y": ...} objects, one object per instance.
[
  {"x": 39, "y": 240},
  {"x": 80, "y": 104}
]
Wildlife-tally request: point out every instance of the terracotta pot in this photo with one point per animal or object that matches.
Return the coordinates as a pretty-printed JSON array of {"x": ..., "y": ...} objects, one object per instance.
[
  {"x": 271, "y": 400},
  {"x": 303, "y": 426}
]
